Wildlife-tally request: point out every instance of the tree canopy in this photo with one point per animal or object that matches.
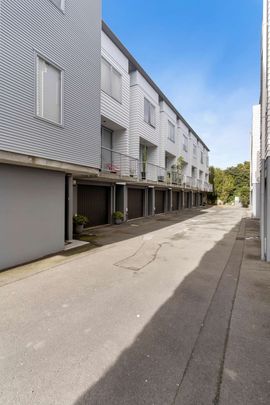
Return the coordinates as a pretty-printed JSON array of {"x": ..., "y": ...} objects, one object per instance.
[{"x": 230, "y": 183}]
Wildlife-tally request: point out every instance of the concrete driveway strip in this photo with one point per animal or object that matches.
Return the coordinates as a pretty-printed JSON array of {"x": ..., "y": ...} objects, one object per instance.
[
  {"x": 246, "y": 375},
  {"x": 111, "y": 327}
]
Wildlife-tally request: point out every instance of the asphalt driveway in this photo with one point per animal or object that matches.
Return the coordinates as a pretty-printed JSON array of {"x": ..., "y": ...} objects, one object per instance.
[{"x": 143, "y": 319}]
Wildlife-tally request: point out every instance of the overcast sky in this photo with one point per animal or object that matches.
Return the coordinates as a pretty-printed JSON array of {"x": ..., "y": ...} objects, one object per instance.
[{"x": 205, "y": 56}]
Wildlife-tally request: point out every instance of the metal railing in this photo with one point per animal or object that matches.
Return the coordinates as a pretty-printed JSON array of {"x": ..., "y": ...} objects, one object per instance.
[
  {"x": 194, "y": 182},
  {"x": 200, "y": 185},
  {"x": 208, "y": 187},
  {"x": 127, "y": 166},
  {"x": 187, "y": 181},
  {"x": 174, "y": 177},
  {"x": 119, "y": 163},
  {"x": 152, "y": 172}
]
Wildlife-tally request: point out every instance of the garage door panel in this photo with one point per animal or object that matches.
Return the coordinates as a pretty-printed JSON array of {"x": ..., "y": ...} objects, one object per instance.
[
  {"x": 135, "y": 203},
  {"x": 93, "y": 202},
  {"x": 175, "y": 200},
  {"x": 160, "y": 201}
]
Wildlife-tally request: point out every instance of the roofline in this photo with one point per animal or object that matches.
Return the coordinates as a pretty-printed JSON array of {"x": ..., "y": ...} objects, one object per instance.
[{"x": 139, "y": 68}]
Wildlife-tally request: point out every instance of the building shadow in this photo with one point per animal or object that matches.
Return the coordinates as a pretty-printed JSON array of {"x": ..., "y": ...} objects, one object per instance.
[
  {"x": 105, "y": 235},
  {"x": 150, "y": 370}
]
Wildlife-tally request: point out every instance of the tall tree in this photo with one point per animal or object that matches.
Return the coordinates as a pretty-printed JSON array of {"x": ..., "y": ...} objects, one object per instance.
[{"x": 230, "y": 183}]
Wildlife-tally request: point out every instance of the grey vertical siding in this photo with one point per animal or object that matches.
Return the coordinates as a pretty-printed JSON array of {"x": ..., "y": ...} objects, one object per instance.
[
  {"x": 72, "y": 40},
  {"x": 32, "y": 212}
]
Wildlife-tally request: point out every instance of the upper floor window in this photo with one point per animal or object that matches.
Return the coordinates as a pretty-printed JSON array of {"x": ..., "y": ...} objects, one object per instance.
[
  {"x": 202, "y": 160},
  {"x": 49, "y": 91},
  {"x": 111, "y": 80},
  {"x": 185, "y": 143},
  {"x": 194, "y": 150},
  {"x": 171, "y": 131},
  {"x": 149, "y": 113},
  {"x": 207, "y": 161},
  {"x": 59, "y": 3}
]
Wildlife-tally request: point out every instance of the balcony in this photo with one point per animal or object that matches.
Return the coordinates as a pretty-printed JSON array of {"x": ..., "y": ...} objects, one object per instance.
[
  {"x": 187, "y": 181},
  {"x": 208, "y": 187},
  {"x": 194, "y": 182},
  {"x": 126, "y": 166},
  {"x": 174, "y": 177},
  {"x": 200, "y": 185}
]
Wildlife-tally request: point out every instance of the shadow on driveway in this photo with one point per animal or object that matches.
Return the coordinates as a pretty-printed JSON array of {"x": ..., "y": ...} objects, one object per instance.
[
  {"x": 106, "y": 235},
  {"x": 151, "y": 370}
]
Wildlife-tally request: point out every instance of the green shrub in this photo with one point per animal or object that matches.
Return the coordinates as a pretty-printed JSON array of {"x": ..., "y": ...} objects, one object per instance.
[
  {"x": 80, "y": 219},
  {"x": 118, "y": 215}
]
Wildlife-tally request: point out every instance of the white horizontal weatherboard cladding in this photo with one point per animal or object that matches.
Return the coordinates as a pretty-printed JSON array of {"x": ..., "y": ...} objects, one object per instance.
[
  {"x": 267, "y": 140},
  {"x": 138, "y": 127},
  {"x": 70, "y": 40},
  {"x": 111, "y": 108},
  {"x": 166, "y": 116},
  {"x": 255, "y": 147}
]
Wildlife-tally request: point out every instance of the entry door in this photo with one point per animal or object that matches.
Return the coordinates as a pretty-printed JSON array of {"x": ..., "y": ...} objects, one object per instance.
[{"x": 106, "y": 143}]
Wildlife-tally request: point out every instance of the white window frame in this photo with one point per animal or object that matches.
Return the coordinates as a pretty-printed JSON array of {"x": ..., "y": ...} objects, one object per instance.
[
  {"x": 38, "y": 56},
  {"x": 171, "y": 135},
  {"x": 109, "y": 93},
  {"x": 62, "y": 7},
  {"x": 150, "y": 119},
  {"x": 185, "y": 143}
]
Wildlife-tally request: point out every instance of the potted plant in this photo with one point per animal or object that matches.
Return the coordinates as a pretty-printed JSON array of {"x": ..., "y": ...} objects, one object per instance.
[
  {"x": 118, "y": 217},
  {"x": 79, "y": 221}
]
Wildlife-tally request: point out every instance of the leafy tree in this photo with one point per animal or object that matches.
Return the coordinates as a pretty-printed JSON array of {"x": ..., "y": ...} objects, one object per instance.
[{"x": 231, "y": 182}]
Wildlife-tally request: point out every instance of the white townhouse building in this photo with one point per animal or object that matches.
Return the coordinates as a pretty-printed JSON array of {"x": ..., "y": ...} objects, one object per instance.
[
  {"x": 264, "y": 164},
  {"x": 83, "y": 129},
  {"x": 255, "y": 161},
  {"x": 142, "y": 138},
  {"x": 49, "y": 120}
]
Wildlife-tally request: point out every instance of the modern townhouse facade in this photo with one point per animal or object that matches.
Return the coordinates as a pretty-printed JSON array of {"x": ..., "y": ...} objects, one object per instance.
[
  {"x": 83, "y": 130},
  {"x": 255, "y": 161},
  {"x": 264, "y": 136},
  {"x": 49, "y": 120},
  {"x": 142, "y": 138}
]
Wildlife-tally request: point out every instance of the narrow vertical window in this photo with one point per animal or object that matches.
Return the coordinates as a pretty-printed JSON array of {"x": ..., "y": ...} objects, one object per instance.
[
  {"x": 171, "y": 133},
  {"x": 149, "y": 113},
  {"x": 185, "y": 144},
  {"x": 111, "y": 81},
  {"x": 202, "y": 158},
  {"x": 49, "y": 91}
]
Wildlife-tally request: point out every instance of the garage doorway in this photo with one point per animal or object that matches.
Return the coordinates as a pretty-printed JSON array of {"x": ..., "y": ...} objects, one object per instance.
[
  {"x": 160, "y": 197},
  {"x": 94, "y": 203},
  {"x": 135, "y": 203}
]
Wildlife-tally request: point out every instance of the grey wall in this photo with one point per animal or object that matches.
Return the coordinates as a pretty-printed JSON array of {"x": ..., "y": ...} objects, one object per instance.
[
  {"x": 256, "y": 200},
  {"x": 32, "y": 208},
  {"x": 72, "y": 40}
]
